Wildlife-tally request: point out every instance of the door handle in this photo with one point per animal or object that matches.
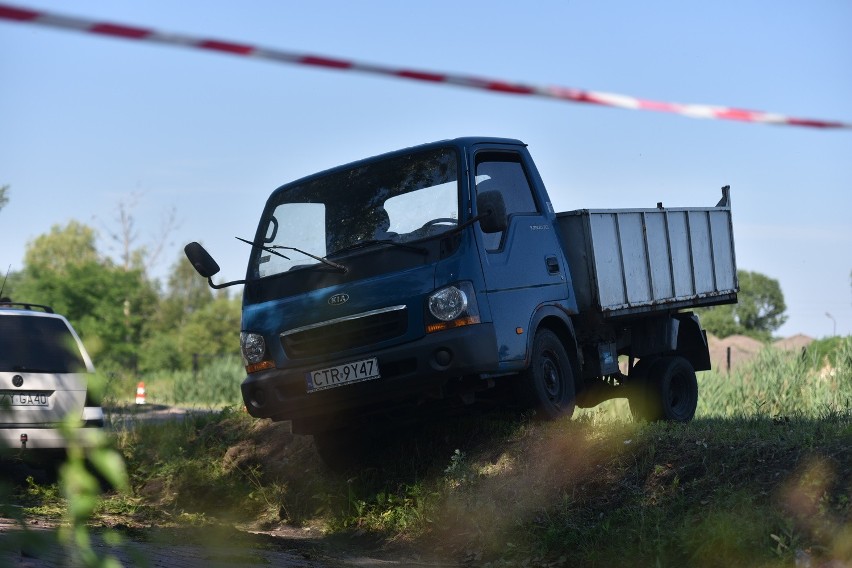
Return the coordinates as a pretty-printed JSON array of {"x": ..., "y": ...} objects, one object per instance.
[{"x": 552, "y": 264}]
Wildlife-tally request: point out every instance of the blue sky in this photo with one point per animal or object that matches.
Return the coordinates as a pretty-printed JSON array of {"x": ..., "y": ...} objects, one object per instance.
[{"x": 88, "y": 122}]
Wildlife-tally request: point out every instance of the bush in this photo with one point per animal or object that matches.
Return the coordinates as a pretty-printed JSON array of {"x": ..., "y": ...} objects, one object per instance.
[{"x": 215, "y": 384}]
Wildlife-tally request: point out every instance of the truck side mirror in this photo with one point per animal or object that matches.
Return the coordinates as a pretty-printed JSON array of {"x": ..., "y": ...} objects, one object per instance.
[
  {"x": 201, "y": 260},
  {"x": 491, "y": 206}
]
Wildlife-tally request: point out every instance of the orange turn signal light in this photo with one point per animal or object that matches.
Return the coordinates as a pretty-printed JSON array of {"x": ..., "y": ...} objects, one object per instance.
[
  {"x": 255, "y": 367},
  {"x": 460, "y": 322}
]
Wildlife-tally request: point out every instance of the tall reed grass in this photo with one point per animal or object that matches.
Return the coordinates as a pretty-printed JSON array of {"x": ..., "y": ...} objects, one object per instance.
[
  {"x": 776, "y": 383},
  {"x": 781, "y": 383}
]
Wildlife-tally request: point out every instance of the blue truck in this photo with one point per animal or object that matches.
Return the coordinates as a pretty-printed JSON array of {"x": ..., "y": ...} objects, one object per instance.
[{"x": 441, "y": 276}]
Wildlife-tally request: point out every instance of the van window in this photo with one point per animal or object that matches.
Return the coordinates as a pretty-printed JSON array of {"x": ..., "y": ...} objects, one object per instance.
[{"x": 38, "y": 344}]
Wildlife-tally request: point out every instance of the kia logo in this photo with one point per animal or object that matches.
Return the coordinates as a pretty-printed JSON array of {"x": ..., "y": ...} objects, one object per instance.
[{"x": 338, "y": 299}]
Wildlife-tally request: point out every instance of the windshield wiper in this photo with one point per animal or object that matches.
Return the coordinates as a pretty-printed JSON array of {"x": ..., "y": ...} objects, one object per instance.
[
  {"x": 271, "y": 249},
  {"x": 371, "y": 242}
]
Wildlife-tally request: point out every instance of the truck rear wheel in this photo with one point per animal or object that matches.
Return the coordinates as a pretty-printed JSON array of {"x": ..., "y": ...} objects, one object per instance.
[
  {"x": 667, "y": 391},
  {"x": 548, "y": 384}
]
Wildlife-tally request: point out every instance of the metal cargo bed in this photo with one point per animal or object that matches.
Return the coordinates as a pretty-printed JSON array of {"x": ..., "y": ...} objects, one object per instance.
[{"x": 632, "y": 261}]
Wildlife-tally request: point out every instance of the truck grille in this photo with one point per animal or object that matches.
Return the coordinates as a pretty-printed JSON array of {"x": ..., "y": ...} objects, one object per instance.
[{"x": 345, "y": 333}]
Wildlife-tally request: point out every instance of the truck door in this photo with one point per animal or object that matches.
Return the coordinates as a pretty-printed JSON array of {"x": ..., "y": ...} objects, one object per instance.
[{"x": 524, "y": 266}]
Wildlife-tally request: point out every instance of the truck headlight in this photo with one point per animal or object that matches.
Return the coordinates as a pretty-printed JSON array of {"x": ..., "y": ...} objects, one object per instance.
[
  {"x": 448, "y": 303},
  {"x": 452, "y": 306},
  {"x": 253, "y": 347}
]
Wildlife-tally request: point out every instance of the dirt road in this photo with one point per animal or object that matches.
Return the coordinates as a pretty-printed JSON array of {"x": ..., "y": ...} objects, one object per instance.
[
  {"x": 42, "y": 550},
  {"x": 226, "y": 546},
  {"x": 197, "y": 548}
]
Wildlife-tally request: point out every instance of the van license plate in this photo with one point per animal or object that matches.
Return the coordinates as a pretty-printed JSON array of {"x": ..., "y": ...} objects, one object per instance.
[
  {"x": 340, "y": 375},
  {"x": 24, "y": 399}
]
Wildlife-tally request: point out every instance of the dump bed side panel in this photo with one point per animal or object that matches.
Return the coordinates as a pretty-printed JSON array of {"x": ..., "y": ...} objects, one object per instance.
[{"x": 628, "y": 261}]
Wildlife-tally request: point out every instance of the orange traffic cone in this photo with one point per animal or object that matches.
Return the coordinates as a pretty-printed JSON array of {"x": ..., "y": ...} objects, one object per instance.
[{"x": 140, "y": 393}]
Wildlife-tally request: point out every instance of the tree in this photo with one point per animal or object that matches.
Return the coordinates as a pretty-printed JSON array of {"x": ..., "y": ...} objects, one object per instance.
[
  {"x": 213, "y": 330},
  {"x": 7, "y": 278},
  {"x": 118, "y": 311},
  {"x": 186, "y": 294},
  {"x": 62, "y": 247},
  {"x": 124, "y": 234},
  {"x": 4, "y": 199},
  {"x": 758, "y": 312},
  {"x": 8, "y": 282},
  {"x": 108, "y": 305}
]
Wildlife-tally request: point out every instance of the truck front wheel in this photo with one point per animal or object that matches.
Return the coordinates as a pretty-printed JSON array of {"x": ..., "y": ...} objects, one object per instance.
[
  {"x": 667, "y": 391},
  {"x": 548, "y": 384},
  {"x": 344, "y": 449}
]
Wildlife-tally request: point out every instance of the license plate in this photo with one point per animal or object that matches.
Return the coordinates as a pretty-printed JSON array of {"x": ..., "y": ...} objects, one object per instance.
[
  {"x": 24, "y": 399},
  {"x": 340, "y": 375}
]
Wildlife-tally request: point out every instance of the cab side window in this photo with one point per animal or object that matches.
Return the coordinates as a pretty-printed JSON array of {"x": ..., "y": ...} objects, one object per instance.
[{"x": 504, "y": 172}]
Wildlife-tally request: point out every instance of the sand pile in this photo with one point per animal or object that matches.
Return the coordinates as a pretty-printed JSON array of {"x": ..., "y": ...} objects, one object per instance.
[{"x": 743, "y": 348}]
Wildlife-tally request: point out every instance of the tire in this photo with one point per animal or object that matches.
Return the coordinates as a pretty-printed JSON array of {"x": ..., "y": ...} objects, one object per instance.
[
  {"x": 548, "y": 384},
  {"x": 640, "y": 393},
  {"x": 668, "y": 391},
  {"x": 336, "y": 450}
]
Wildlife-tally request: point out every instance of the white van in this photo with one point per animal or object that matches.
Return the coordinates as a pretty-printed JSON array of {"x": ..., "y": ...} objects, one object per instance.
[{"x": 44, "y": 374}]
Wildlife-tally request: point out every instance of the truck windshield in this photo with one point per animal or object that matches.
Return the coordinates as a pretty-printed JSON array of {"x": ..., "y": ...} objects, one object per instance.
[{"x": 399, "y": 199}]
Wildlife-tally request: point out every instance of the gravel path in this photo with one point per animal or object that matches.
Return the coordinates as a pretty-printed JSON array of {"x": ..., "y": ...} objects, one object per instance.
[{"x": 290, "y": 548}]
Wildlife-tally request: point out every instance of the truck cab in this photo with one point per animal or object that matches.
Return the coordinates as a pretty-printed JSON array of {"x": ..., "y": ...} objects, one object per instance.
[{"x": 405, "y": 313}]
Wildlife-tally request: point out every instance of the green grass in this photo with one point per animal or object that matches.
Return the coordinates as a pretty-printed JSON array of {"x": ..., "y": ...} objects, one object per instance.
[
  {"x": 716, "y": 492},
  {"x": 216, "y": 384},
  {"x": 762, "y": 474}
]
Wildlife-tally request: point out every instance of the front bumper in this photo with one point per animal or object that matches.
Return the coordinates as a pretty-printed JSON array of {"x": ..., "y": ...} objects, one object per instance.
[{"x": 410, "y": 372}]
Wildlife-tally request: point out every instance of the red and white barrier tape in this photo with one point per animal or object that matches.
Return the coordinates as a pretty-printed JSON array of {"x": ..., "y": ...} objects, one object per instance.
[{"x": 17, "y": 14}]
